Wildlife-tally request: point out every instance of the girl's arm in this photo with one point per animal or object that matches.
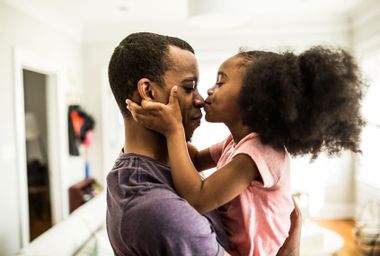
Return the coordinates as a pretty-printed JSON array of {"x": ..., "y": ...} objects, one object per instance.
[{"x": 219, "y": 188}]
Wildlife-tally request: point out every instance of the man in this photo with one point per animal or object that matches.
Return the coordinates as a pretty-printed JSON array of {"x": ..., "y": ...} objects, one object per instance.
[{"x": 145, "y": 216}]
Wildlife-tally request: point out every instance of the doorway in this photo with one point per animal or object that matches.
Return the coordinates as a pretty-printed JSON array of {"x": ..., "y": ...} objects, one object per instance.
[
  {"x": 37, "y": 158},
  {"x": 51, "y": 73}
]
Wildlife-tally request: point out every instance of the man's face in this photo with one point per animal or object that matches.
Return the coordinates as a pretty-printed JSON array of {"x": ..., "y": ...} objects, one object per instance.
[{"x": 184, "y": 73}]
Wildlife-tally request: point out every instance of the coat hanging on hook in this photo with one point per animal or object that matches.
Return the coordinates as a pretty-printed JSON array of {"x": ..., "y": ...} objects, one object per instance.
[{"x": 80, "y": 124}]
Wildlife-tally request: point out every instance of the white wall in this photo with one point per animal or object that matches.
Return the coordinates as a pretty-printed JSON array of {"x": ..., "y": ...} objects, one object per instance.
[
  {"x": 99, "y": 101},
  {"x": 21, "y": 31}
]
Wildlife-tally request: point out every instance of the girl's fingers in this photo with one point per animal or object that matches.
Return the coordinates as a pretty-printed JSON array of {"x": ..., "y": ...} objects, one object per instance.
[
  {"x": 141, "y": 119},
  {"x": 151, "y": 106},
  {"x": 135, "y": 108},
  {"x": 153, "y": 115},
  {"x": 173, "y": 98},
  {"x": 147, "y": 121}
]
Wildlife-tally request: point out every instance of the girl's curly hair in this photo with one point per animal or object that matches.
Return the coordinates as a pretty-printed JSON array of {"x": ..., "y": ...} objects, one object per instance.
[{"x": 308, "y": 103}]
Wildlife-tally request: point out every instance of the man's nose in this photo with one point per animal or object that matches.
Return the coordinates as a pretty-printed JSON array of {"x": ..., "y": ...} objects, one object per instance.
[{"x": 199, "y": 102}]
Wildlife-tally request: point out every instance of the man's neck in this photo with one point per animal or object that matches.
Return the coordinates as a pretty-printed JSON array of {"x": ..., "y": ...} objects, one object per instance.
[{"x": 142, "y": 141}]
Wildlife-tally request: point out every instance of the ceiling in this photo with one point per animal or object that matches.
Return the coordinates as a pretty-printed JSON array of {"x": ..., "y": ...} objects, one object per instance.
[
  {"x": 88, "y": 12},
  {"x": 82, "y": 13}
]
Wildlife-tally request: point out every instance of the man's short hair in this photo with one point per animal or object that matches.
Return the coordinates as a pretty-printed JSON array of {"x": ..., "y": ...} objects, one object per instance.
[{"x": 140, "y": 55}]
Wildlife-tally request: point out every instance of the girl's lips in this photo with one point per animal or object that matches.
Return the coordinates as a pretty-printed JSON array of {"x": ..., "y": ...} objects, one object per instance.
[{"x": 206, "y": 106}]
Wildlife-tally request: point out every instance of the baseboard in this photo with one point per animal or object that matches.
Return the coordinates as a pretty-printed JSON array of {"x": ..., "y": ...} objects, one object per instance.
[{"x": 336, "y": 211}]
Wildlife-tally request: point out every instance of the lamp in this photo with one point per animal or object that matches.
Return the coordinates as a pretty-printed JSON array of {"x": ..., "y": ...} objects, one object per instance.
[
  {"x": 34, "y": 139},
  {"x": 31, "y": 127}
]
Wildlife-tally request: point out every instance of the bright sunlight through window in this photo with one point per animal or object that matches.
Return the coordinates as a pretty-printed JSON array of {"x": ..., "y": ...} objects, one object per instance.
[{"x": 369, "y": 169}]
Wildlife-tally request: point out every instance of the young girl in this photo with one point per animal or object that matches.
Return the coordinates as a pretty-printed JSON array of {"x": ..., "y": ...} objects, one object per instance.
[{"x": 273, "y": 104}]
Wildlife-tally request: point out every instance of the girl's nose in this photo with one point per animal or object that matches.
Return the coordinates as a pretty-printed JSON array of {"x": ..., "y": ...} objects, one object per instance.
[{"x": 210, "y": 91}]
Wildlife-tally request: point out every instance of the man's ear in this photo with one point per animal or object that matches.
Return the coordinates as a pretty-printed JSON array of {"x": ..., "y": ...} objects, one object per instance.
[{"x": 146, "y": 89}]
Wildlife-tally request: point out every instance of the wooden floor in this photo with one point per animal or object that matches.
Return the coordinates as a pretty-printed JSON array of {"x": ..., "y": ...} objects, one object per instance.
[
  {"x": 39, "y": 214},
  {"x": 345, "y": 229}
]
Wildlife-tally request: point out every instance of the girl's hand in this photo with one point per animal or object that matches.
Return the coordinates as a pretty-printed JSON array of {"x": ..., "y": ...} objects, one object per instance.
[{"x": 165, "y": 119}]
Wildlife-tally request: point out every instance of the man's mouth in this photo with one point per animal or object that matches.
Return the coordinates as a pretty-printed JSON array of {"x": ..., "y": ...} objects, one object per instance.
[{"x": 197, "y": 118}]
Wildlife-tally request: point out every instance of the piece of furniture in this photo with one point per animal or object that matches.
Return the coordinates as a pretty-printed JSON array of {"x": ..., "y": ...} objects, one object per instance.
[
  {"x": 81, "y": 192},
  {"x": 319, "y": 241},
  {"x": 97, "y": 245},
  {"x": 70, "y": 235}
]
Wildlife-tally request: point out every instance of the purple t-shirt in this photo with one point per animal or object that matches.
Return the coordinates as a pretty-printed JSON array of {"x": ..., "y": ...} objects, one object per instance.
[{"x": 145, "y": 216}]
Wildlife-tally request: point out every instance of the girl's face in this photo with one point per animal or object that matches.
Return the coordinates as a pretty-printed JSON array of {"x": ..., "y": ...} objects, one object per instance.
[{"x": 221, "y": 105}]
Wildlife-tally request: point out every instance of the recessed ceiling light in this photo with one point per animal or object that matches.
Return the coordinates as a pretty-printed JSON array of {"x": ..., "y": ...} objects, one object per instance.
[
  {"x": 219, "y": 13},
  {"x": 215, "y": 21},
  {"x": 123, "y": 8}
]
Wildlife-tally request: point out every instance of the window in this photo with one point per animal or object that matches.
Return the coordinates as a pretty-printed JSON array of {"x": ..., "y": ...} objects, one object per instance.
[{"x": 369, "y": 169}]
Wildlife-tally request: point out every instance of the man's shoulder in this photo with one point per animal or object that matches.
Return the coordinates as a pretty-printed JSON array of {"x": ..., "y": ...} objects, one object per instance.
[{"x": 139, "y": 168}]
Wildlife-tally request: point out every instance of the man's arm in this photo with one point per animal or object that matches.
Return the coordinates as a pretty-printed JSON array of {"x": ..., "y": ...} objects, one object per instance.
[{"x": 291, "y": 247}]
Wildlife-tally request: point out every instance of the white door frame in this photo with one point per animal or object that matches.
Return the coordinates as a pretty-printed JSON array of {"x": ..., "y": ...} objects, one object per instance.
[{"x": 56, "y": 134}]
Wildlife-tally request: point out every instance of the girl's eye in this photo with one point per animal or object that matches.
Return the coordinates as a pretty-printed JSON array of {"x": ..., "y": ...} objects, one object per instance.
[{"x": 219, "y": 80}]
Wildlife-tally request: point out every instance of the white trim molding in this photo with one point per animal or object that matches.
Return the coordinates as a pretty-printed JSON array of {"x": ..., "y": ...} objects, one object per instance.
[{"x": 57, "y": 137}]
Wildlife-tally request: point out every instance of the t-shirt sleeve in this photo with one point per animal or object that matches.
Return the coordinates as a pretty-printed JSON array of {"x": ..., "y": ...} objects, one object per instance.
[
  {"x": 249, "y": 148},
  {"x": 173, "y": 227}
]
